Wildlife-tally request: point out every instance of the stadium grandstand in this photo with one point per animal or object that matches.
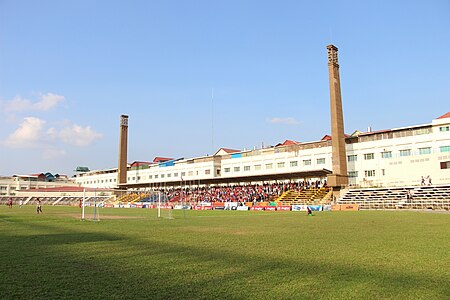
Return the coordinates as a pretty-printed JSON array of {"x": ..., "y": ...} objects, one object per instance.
[
  {"x": 406, "y": 167},
  {"x": 397, "y": 168}
]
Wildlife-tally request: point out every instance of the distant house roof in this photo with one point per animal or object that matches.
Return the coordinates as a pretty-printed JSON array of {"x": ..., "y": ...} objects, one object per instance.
[
  {"x": 447, "y": 115},
  {"x": 287, "y": 143},
  {"x": 140, "y": 163},
  {"x": 161, "y": 159},
  {"x": 327, "y": 137},
  {"x": 223, "y": 151}
]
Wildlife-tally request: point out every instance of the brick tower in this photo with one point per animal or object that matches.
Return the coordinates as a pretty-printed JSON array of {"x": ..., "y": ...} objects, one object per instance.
[
  {"x": 339, "y": 176},
  {"x": 123, "y": 150}
]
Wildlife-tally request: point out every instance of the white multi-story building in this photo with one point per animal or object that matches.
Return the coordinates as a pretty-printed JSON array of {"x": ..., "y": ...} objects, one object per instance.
[
  {"x": 394, "y": 157},
  {"x": 13, "y": 185}
]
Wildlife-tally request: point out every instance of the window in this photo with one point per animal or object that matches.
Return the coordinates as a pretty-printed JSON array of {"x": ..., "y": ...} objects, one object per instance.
[
  {"x": 227, "y": 170},
  {"x": 352, "y": 158},
  {"x": 237, "y": 169},
  {"x": 156, "y": 176},
  {"x": 386, "y": 154},
  {"x": 139, "y": 178},
  {"x": 307, "y": 162},
  {"x": 268, "y": 166},
  {"x": 383, "y": 172},
  {"x": 352, "y": 174},
  {"x": 257, "y": 167},
  {"x": 246, "y": 168},
  {"x": 190, "y": 173},
  {"x": 207, "y": 172},
  {"x": 293, "y": 163},
  {"x": 150, "y": 176},
  {"x": 169, "y": 175},
  {"x": 444, "y": 128},
  {"x": 320, "y": 161},
  {"x": 280, "y": 165},
  {"x": 183, "y": 174},
  {"x": 369, "y": 156},
  {"x": 369, "y": 173},
  {"x": 406, "y": 152},
  {"x": 162, "y": 175},
  {"x": 218, "y": 171},
  {"x": 445, "y": 165},
  {"x": 445, "y": 148},
  {"x": 175, "y": 174},
  {"x": 426, "y": 150}
]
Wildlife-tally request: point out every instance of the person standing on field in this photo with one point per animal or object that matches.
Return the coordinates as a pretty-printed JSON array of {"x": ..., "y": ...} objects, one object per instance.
[
  {"x": 20, "y": 203},
  {"x": 38, "y": 206},
  {"x": 10, "y": 202}
]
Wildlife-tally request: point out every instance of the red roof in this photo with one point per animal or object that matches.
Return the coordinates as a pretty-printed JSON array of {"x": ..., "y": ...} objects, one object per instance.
[
  {"x": 140, "y": 163},
  {"x": 447, "y": 115},
  {"x": 328, "y": 137},
  {"x": 229, "y": 150},
  {"x": 287, "y": 143},
  {"x": 161, "y": 159}
]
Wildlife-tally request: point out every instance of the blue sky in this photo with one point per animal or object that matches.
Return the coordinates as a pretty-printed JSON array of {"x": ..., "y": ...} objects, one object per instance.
[{"x": 194, "y": 76}]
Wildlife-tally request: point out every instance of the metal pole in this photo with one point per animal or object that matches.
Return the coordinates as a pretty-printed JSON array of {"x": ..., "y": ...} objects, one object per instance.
[
  {"x": 82, "y": 205},
  {"x": 95, "y": 205},
  {"x": 159, "y": 204}
]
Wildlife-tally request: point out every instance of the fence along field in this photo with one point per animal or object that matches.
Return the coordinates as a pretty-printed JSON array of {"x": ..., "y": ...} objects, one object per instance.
[{"x": 223, "y": 254}]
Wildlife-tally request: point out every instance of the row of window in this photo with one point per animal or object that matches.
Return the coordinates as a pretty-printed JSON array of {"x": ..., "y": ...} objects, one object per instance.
[
  {"x": 102, "y": 181},
  {"x": 367, "y": 173},
  {"x": 402, "y": 153},
  {"x": 280, "y": 165}
]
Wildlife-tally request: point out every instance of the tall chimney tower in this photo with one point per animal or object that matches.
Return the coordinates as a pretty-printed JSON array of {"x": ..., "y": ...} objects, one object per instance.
[
  {"x": 339, "y": 177},
  {"x": 123, "y": 150}
]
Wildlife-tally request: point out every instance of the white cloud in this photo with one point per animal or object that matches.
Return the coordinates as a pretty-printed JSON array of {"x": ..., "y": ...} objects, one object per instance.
[
  {"x": 79, "y": 136},
  {"x": 28, "y": 135},
  {"x": 32, "y": 133},
  {"x": 287, "y": 121},
  {"x": 45, "y": 102},
  {"x": 48, "y": 101}
]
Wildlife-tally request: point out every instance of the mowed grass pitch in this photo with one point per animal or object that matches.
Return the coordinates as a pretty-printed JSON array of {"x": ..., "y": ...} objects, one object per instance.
[{"x": 130, "y": 254}]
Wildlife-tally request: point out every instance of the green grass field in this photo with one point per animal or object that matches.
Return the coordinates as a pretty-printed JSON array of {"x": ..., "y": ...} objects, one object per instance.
[{"x": 130, "y": 254}]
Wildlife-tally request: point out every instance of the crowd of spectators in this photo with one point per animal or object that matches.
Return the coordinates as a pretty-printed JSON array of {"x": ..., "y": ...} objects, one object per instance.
[{"x": 237, "y": 193}]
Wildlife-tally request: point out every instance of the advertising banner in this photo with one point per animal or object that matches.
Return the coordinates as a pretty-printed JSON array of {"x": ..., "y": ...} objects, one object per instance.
[
  {"x": 326, "y": 207},
  {"x": 299, "y": 207},
  {"x": 199, "y": 207},
  {"x": 257, "y": 208},
  {"x": 349, "y": 207},
  {"x": 335, "y": 207},
  {"x": 242, "y": 208},
  {"x": 284, "y": 208},
  {"x": 185, "y": 206},
  {"x": 315, "y": 207},
  {"x": 270, "y": 208},
  {"x": 230, "y": 205}
]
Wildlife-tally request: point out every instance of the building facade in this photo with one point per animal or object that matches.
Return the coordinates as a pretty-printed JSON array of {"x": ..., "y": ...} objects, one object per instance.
[{"x": 395, "y": 157}]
